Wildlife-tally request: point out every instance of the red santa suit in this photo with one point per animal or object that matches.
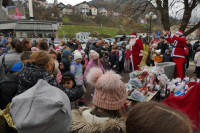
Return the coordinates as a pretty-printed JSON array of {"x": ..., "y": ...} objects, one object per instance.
[
  {"x": 137, "y": 45},
  {"x": 178, "y": 52}
]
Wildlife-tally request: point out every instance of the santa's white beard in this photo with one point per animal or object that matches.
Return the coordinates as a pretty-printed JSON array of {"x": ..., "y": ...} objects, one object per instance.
[{"x": 132, "y": 42}]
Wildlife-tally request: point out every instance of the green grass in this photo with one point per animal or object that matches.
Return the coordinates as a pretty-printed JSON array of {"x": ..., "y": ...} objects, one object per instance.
[{"x": 71, "y": 30}]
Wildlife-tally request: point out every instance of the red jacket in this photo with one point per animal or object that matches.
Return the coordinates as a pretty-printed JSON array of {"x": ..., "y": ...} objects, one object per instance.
[
  {"x": 128, "y": 54},
  {"x": 179, "y": 43}
]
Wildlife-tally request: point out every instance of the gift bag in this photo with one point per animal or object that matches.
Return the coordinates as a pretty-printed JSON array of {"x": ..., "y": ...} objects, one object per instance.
[{"x": 187, "y": 104}]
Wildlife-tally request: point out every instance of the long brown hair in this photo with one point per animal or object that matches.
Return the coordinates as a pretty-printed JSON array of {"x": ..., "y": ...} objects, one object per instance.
[
  {"x": 25, "y": 41},
  {"x": 40, "y": 58},
  {"x": 152, "y": 117}
]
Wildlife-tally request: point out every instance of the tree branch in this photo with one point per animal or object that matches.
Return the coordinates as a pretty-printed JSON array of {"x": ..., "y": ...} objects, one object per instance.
[{"x": 192, "y": 29}]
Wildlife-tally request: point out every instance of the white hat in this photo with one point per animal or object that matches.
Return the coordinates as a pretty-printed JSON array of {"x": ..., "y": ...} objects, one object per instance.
[
  {"x": 77, "y": 55},
  {"x": 41, "y": 109}
]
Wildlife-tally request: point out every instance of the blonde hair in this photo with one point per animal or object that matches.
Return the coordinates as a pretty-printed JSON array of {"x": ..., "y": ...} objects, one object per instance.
[{"x": 40, "y": 58}]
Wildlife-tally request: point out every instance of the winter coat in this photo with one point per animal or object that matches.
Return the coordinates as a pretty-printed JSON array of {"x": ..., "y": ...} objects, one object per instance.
[
  {"x": 114, "y": 59},
  {"x": 71, "y": 46},
  {"x": 128, "y": 54},
  {"x": 92, "y": 64},
  {"x": 106, "y": 63},
  {"x": 163, "y": 47},
  {"x": 85, "y": 122},
  {"x": 87, "y": 48},
  {"x": 123, "y": 54},
  {"x": 189, "y": 50},
  {"x": 30, "y": 74},
  {"x": 95, "y": 48},
  {"x": 11, "y": 58},
  {"x": 77, "y": 70},
  {"x": 167, "y": 58}
]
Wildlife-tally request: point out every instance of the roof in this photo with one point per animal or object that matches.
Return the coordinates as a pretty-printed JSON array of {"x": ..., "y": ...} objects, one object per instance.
[
  {"x": 102, "y": 9},
  {"x": 84, "y": 2},
  {"x": 93, "y": 6}
]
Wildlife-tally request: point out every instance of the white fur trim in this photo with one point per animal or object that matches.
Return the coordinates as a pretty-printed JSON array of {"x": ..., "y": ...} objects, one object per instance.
[
  {"x": 172, "y": 35},
  {"x": 133, "y": 36},
  {"x": 91, "y": 118},
  {"x": 179, "y": 33}
]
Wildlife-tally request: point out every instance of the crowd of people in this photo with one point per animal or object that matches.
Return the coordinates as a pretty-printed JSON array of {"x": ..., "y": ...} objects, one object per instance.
[{"x": 50, "y": 90}]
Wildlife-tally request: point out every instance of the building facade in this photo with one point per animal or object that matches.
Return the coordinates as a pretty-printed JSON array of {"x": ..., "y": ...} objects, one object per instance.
[
  {"x": 82, "y": 8},
  {"x": 103, "y": 11}
]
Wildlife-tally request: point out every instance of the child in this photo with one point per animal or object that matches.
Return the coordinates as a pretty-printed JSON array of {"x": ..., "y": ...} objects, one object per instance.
[
  {"x": 153, "y": 117},
  {"x": 114, "y": 59},
  {"x": 127, "y": 59},
  {"x": 68, "y": 81},
  {"x": 121, "y": 57},
  {"x": 167, "y": 56},
  {"x": 65, "y": 63},
  {"x": 197, "y": 62},
  {"x": 106, "y": 60},
  {"x": 56, "y": 72},
  {"x": 94, "y": 62},
  {"x": 158, "y": 57},
  {"x": 77, "y": 70}
]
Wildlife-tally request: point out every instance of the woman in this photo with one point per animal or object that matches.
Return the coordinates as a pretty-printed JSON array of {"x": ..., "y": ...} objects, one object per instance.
[
  {"x": 38, "y": 67},
  {"x": 94, "y": 62},
  {"x": 109, "y": 98},
  {"x": 26, "y": 44}
]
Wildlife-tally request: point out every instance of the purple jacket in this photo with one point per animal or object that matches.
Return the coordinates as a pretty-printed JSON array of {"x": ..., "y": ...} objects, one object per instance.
[{"x": 92, "y": 64}]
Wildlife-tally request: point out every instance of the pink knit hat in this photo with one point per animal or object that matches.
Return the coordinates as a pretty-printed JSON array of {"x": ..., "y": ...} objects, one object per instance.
[
  {"x": 94, "y": 55},
  {"x": 110, "y": 92}
]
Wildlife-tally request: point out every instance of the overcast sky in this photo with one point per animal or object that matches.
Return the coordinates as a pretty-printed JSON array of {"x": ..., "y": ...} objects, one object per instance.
[{"x": 72, "y": 2}]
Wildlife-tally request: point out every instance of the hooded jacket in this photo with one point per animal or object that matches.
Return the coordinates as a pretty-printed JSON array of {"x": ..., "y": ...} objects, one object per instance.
[
  {"x": 30, "y": 74},
  {"x": 84, "y": 122}
]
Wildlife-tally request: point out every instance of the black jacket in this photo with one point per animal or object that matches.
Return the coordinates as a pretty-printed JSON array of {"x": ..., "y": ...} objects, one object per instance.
[
  {"x": 30, "y": 74},
  {"x": 71, "y": 46},
  {"x": 96, "y": 48},
  {"x": 87, "y": 48},
  {"x": 114, "y": 59},
  {"x": 163, "y": 47},
  {"x": 189, "y": 49}
]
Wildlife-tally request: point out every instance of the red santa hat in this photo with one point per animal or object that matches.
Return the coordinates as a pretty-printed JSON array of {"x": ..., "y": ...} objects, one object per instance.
[
  {"x": 180, "y": 32},
  {"x": 133, "y": 34}
]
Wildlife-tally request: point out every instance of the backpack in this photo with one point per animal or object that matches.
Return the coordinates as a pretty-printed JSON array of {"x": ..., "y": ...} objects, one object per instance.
[{"x": 8, "y": 85}]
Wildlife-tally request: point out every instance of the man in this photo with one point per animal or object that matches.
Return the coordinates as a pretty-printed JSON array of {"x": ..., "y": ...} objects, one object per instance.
[
  {"x": 136, "y": 46},
  {"x": 162, "y": 45},
  {"x": 196, "y": 45},
  {"x": 178, "y": 52},
  {"x": 71, "y": 45},
  {"x": 12, "y": 56},
  {"x": 52, "y": 43},
  {"x": 90, "y": 40},
  {"x": 189, "y": 45},
  {"x": 96, "y": 47}
]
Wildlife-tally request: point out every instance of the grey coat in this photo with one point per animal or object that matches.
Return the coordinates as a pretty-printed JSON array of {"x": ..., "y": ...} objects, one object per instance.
[{"x": 11, "y": 58}]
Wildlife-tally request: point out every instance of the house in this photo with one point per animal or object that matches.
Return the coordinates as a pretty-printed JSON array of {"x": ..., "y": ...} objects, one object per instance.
[
  {"x": 60, "y": 6},
  {"x": 103, "y": 11},
  {"x": 68, "y": 9},
  {"x": 93, "y": 11},
  {"x": 82, "y": 8},
  {"x": 116, "y": 14}
]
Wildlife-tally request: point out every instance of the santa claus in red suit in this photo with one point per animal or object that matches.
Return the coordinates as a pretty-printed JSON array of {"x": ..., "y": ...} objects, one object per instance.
[
  {"x": 178, "y": 52},
  {"x": 136, "y": 46}
]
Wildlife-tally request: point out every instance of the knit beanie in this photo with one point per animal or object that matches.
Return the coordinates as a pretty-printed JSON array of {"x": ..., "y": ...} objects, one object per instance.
[
  {"x": 66, "y": 53},
  {"x": 77, "y": 55},
  {"x": 94, "y": 55},
  {"x": 110, "y": 91}
]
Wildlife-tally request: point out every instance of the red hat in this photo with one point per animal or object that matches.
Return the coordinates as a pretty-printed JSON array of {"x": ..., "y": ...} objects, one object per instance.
[
  {"x": 133, "y": 34},
  {"x": 103, "y": 42},
  {"x": 180, "y": 32}
]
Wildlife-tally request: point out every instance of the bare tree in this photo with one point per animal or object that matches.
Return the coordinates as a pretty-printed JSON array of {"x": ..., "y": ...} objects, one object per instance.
[{"x": 181, "y": 9}]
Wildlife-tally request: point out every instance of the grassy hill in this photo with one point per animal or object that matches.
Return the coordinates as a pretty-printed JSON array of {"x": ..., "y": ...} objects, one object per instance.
[{"x": 100, "y": 32}]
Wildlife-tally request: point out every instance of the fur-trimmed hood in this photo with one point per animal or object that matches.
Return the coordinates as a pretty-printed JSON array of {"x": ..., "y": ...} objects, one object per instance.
[{"x": 84, "y": 122}]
